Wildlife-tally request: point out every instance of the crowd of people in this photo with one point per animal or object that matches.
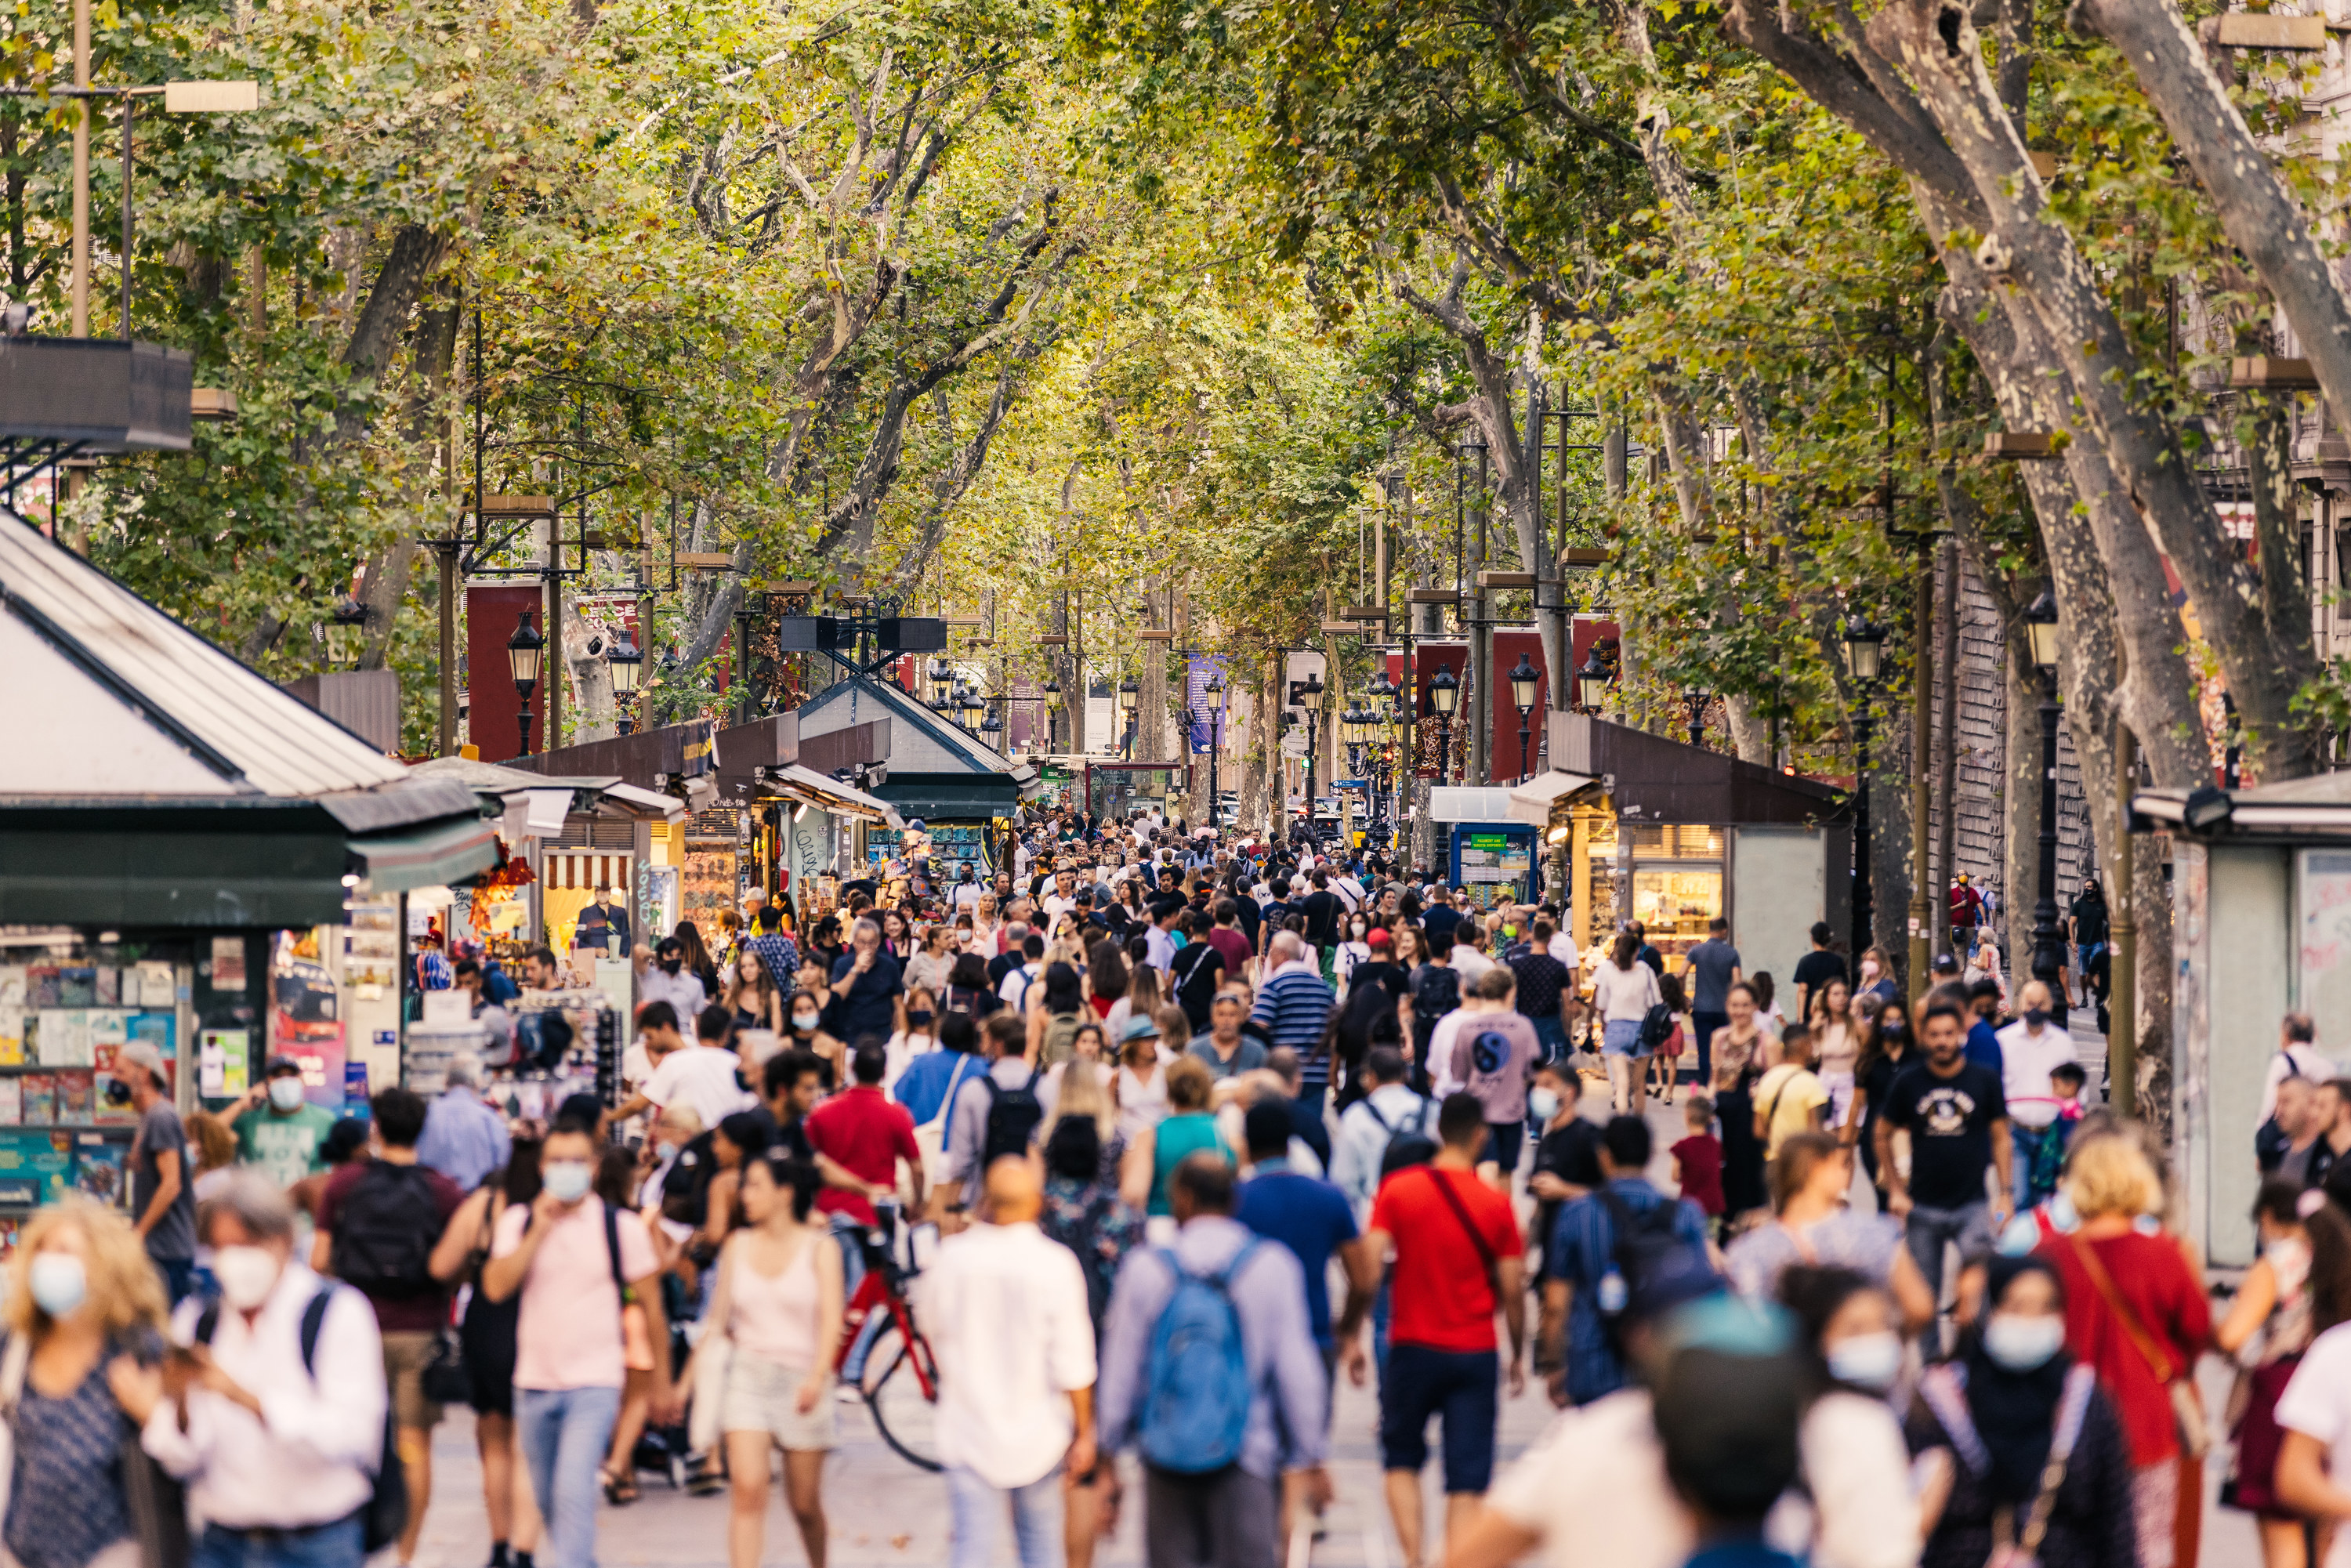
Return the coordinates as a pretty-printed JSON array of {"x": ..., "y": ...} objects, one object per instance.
[{"x": 1206, "y": 1128}]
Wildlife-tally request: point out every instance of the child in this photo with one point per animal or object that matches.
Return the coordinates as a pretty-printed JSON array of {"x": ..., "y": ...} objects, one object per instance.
[
  {"x": 1665, "y": 1063},
  {"x": 1698, "y": 1159},
  {"x": 2045, "y": 1148}
]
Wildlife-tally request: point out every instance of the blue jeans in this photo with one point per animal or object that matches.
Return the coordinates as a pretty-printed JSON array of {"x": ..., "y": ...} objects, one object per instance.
[
  {"x": 336, "y": 1545},
  {"x": 976, "y": 1513},
  {"x": 178, "y": 1275},
  {"x": 564, "y": 1433},
  {"x": 1551, "y": 1038}
]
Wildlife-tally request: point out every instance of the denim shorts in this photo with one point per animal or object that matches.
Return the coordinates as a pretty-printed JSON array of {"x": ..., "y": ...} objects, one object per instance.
[{"x": 1623, "y": 1038}]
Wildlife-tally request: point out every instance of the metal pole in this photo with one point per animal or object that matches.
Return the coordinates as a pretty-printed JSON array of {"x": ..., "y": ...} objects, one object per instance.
[
  {"x": 129, "y": 104},
  {"x": 2048, "y": 944},
  {"x": 447, "y": 550},
  {"x": 2121, "y": 1038},
  {"x": 1865, "y": 913},
  {"x": 81, "y": 169},
  {"x": 1922, "y": 680},
  {"x": 554, "y": 658}
]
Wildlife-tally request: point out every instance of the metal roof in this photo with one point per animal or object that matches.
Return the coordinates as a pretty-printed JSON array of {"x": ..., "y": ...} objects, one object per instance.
[{"x": 254, "y": 738}]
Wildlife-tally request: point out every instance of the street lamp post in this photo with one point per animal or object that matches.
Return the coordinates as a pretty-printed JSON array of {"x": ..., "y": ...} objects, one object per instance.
[
  {"x": 1591, "y": 683},
  {"x": 346, "y": 632},
  {"x": 1443, "y": 691},
  {"x": 1865, "y": 643},
  {"x": 1310, "y": 697},
  {"x": 1215, "y": 690},
  {"x": 627, "y": 663},
  {"x": 2048, "y": 942},
  {"x": 1523, "y": 679},
  {"x": 524, "y": 651},
  {"x": 1696, "y": 699}
]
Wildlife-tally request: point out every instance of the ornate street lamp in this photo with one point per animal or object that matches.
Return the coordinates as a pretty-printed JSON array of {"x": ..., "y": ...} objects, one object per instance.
[
  {"x": 524, "y": 651},
  {"x": 1444, "y": 692},
  {"x": 1591, "y": 683},
  {"x": 627, "y": 664},
  {"x": 346, "y": 632},
  {"x": 1865, "y": 646},
  {"x": 1524, "y": 678},
  {"x": 1697, "y": 700},
  {"x": 2048, "y": 941},
  {"x": 942, "y": 680}
]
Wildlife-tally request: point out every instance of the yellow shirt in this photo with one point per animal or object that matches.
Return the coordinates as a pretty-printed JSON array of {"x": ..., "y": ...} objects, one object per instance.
[{"x": 1790, "y": 1096}]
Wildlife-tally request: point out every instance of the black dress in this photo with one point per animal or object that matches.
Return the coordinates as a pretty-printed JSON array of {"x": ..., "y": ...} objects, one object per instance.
[
  {"x": 2091, "y": 1526},
  {"x": 1742, "y": 1151}
]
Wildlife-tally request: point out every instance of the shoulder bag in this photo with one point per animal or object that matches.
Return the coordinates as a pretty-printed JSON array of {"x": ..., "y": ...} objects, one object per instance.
[{"x": 2187, "y": 1404}]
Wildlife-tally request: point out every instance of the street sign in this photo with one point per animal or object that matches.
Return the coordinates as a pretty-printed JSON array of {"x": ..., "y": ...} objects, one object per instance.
[{"x": 1294, "y": 744}]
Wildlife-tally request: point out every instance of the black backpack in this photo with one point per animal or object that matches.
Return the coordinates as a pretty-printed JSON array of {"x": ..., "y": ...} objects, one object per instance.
[
  {"x": 385, "y": 1230},
  {"x": 1012, "y": 1118},
  {"x": 1407, "y": 1144},
  {"x": 1647, "y": 1253},
  {"x": 386, "y": 1512},
  {"x": 1436, "y": 991}
]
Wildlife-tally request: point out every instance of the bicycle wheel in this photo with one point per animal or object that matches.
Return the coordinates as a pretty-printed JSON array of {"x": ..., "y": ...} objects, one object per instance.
[{"x": 906, "y": 1416}]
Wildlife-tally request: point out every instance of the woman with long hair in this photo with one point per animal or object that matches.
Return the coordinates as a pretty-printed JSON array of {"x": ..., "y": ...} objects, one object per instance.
[
  {"x": 1813, "y": 1224},
  {"x": 1886, "y": 1050},
  {"x": 1855, "y": 1462},
  {"x": 2311, "y": 1411},
  {"x": 1874, "y": 977},
  {"x": 698, "y": 961},
  {"x": 1106, "y": 978},
  {"x": 751, "y": 993},
  {"x": 1624, "y": 989},
  {"x": 1738, "y": 1065},
  {"x": 774, "y": 1318},
  {"x": 2305, "y": 1244},
  {"x": 1991, "y": 1418},
  {"x": 486, "y": 1333},
  {"x": 897, "y": 936},
  {"x": 2137, "y": 1312},
  {"x": 1139, "y": 1087},
  {"x": 933, "y": 957},
  {"x": 1143, "y": 998},
  {"x": 85, "y": 1314},
  {"x": 986, "y": 924},
  {"x": 1836, "y": 1046},
  {"x": 967, "y": 991},
  {"x": 1411, "y": 946},
  {"x": 1056, "y": 1008}
]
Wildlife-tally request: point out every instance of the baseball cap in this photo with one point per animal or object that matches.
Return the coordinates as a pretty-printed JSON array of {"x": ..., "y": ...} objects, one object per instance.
[
  {"x": 1946, "y": 965},
  {"x": 1377, "y": 937},
  {"x": 279, "y": 1065}
]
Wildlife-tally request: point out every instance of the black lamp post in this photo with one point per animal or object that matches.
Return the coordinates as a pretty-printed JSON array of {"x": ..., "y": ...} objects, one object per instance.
[
  {"x": 942, "y": 682},
  {"x": 1379, "y": 731},
  {"x": 346, "y": 632},
  {"x": 627, "y": 664},
  {"x": 524, "y": 651},
  {"x": 1865, "y": 644},
  {"x": 1697, "y": 700},
  {"x": 1591, "y": 683},
  {"x": 1443, "y": 691},
  {"x": 1215, "y": 689},
  {"x": 1523, "y": 679},
  {"x": 2048, "y": 941}
]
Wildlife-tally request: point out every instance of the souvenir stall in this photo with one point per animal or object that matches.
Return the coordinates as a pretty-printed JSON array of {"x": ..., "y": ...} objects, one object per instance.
[
  {"x": 1667, "y": 834},
  {"x": 1489, "y": 856}
]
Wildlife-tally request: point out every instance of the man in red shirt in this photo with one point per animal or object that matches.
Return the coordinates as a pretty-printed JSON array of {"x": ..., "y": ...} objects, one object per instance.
[
  {"x": 1458, "y": 1257},
  {"x": 867, "y": 1133}
]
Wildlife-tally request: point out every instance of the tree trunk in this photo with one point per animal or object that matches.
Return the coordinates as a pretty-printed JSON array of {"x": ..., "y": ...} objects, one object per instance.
[{"x": 1947, "y": 744}]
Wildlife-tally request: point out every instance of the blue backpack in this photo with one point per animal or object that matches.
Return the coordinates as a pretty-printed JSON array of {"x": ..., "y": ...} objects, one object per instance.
[{"x": 1195, "y": 1402}]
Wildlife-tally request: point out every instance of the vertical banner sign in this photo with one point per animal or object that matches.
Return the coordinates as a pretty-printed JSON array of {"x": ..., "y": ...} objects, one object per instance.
[{"x": 1200, "y": 705}]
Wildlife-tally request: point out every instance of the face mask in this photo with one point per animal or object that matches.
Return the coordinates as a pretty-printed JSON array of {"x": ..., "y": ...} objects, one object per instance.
[
  {"x": 286, "y": 1093},
  {"x": 1544, "y": 1102},
  {"x": 569, "y": 1180},
  {"x": 58, "y": 1283},
  {"x": 920, "y": 1018},
  {"x": 1869, "y": 968},
  {"x": 671, "y": 965},
  {"x": 1893, "y": 1029},
  {"x": 804, "y": 1022},
  {"x": 246, "y": 1275},
  {"x": 1871, "y": 1361},
  {"x": 2035, "y": 1018},
  {"x": 2020, "y": 1344}
]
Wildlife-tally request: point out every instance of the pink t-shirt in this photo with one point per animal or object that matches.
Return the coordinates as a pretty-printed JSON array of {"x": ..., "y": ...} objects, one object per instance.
[{"x": 568, "y": 1332}]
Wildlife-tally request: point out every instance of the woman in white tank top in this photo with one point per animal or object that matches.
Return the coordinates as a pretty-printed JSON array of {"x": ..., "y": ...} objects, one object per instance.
[{"x": 777, "y": 1313}]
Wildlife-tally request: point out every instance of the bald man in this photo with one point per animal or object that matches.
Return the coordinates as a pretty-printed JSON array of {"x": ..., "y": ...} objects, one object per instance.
[
  {"x": 2030, "y": 1049},
  {"x": 1009, "y": 1321}
]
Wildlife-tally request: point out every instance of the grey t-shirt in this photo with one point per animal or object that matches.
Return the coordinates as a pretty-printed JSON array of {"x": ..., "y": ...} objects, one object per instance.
[
  {"x": 173, "y": 1237},
  {"x": 1711, "y": 962}
]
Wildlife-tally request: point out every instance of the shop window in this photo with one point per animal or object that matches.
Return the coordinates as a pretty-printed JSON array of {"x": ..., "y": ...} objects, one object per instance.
[{"x": 1674, "y": 904}]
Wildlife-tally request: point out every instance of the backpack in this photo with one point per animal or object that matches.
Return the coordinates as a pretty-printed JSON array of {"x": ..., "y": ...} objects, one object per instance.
[
  {"x": 385, "y": 1231},
  {"x": 1012, "y": 1118},
  {"x": 1061, "y": 1042},
  {"x": 1197, "y": 1387},
  {"x": 385, "y": 1514},
  {"x": 1646, "y": 1252},
  {"x": 1406, "y": 1146},
  {"x": 1436, "y": 991}
]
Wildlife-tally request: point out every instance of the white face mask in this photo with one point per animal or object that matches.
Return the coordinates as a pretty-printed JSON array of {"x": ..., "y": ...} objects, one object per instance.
[
  {"x": 57, "y": 1282},
  {"x": 1544, "y": 1102},
  {"x": 286, "y": 1093},
  {"x": 804, "y": 1020},
  {"x": 2020, "y": 1344},
  {"x": 1871, "y": 1361},
  {"x": 569, "y": 1180},
  {"x": 246, "y": 1275}
]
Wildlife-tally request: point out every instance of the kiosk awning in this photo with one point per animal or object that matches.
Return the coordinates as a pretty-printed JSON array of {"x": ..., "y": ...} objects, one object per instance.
[
  {"x": 1532, "y": 800},
  {"x": 832, "y": 795},
  {"x": 433, "y": 855}
]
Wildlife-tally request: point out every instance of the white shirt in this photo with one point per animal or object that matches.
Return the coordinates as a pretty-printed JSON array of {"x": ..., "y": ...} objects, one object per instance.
[
  {"x": 1056, "y": 907},
  {"x": 1351, "y": 892},
  {"x": 1562, "y": 947},
  {"x": 1159, "y": 949},
  {"x": 967, "y": 895},
  {"x": 1013, "y": 990},
  {"x": 703, "y": 1077},
  {"x": 2026, "y": 1060},
  {"x": 681, "y": 991},
  {"x": 1471, "y": 963},
  {"x": 310, "y": 1462},
  {"x": 2317, "y": 1404},
  {"x": 1624, "y": 994},
  {"x": 1441, "y": 1040},
  {"x": 1596, "y": 1491},
  {"x": 1007, "y": 1310},
  {"x": 2315, "y": 1067},
  {"x": 1862, "y": 1512}
]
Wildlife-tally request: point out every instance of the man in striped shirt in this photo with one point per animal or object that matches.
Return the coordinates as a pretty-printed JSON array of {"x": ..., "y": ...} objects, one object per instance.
[{"x": 1293, "y": 1007}]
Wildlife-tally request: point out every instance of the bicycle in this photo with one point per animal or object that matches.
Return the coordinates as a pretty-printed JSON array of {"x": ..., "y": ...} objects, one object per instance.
[{"x": 895, "y": 1372}]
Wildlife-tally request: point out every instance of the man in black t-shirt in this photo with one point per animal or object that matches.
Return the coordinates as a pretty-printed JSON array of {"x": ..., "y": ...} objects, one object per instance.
[
  {"x": 1816, "y": 969},
  {"x": 1567, "y": 1155},
  {"x": 1322, "y": 908},
  {"x": 1274, "y": 913},
  {"x": 1957, "y": 1117}
]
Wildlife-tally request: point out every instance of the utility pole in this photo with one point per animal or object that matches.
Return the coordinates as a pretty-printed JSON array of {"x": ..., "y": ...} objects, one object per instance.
[
  {"x": 1922, "y": 674},
  {"x": 2122, "y": 1006},
  {"x": 81, "y": 171}
]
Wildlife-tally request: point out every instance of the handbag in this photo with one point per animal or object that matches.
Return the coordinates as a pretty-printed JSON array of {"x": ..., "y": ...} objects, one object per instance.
[
  {"x": 2187, "y": 1406},
  {"x": 445, "y": 1379}
]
